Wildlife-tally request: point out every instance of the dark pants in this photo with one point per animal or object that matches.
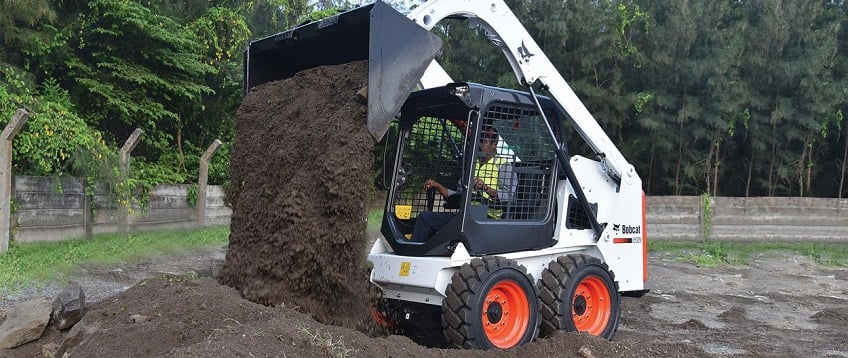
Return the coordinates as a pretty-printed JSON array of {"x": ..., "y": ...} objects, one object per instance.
[{"x": 428, "y": 224}]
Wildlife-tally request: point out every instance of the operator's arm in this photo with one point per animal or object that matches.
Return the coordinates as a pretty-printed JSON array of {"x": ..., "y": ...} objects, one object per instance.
[{"x": 432, "y": 184}]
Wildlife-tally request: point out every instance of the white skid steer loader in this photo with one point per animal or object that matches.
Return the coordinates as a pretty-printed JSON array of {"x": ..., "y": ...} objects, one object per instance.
[{"x": 549, "y": 241}]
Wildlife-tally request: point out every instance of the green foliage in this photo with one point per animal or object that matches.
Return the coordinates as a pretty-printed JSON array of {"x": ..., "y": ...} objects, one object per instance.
[
  {"x": 728, "y": 98},
  {"x": 225, "y": 33},
  {"x": 136, "y": 188},
  {"x": 191, "y": 195},
  {"x": 133, "y": 68},
  {"x": 25, "y": 25},
  {"x": 219, "y": 165},
  {"x": 319, "y": 15},
  {"x": 54, "y": 131},
  {"x": 707, "y": 209}
]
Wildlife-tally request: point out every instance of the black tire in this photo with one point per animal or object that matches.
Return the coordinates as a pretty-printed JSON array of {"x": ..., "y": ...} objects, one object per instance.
[
  {"x": 501, "y": 290},
  {"x": 579, "y": 293}
]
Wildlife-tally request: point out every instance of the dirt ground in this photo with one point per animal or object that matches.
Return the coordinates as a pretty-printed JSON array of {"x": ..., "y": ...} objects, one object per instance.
[{"x": 781, "y": 305}]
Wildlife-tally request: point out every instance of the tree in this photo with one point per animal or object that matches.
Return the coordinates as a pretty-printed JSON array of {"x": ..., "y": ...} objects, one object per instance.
[
  {"x": 131, "y": 68},
  {"x": 222, "y": 33},
  {"x": 53, "y": 135},
  {"x": 25, "y": 26},
  {"x": 792, "y": 47}
]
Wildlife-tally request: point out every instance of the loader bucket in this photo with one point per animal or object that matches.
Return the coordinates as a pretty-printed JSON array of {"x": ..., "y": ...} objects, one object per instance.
[{"x": 397, "y": 49}]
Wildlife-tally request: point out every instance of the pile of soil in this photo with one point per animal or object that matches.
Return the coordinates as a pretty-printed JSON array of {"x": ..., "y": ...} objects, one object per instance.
[
  {"x": 178, "y": 316},
  {"x": 300, "y": 173}
]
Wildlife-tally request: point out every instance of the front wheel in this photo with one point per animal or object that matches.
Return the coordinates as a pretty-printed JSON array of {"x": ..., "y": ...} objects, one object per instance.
[
  {"x": 490, "y": 303},
  {"x": 578, "y": 293}
]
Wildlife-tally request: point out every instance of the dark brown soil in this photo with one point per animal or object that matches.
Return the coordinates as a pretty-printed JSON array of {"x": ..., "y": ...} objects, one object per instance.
[
  {"x": 300, "y": 173},
  {"x": 198, "y": 317},
  {"x": 789, "y": 307}
]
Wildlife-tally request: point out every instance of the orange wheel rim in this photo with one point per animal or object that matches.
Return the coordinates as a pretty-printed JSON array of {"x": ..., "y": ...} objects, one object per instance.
[
  {"x": 506, "y": 314},
  {"x": 591, "y": 306}
]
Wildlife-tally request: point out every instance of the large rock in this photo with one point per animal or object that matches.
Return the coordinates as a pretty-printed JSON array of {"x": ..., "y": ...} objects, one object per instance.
[
  {"x": 73, "y": 338},
  {"x": 68, "y": 307},
  {"x": 25, "y": 323}
]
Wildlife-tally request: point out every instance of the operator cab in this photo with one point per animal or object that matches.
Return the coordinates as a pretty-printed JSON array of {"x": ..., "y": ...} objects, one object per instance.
[{"x": 438, "y": 135}]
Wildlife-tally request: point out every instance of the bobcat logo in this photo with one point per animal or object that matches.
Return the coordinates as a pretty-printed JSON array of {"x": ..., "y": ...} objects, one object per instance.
[
  {"x": 626, "y": 229},
  {"x": 524, "y": 53}
]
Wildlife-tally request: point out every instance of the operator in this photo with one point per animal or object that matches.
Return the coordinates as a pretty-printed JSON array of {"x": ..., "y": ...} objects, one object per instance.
[{"x": 486, "y": 174}]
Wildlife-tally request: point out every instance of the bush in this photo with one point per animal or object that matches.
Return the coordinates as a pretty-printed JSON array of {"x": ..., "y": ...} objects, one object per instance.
[{"x": 54, "y": 132}]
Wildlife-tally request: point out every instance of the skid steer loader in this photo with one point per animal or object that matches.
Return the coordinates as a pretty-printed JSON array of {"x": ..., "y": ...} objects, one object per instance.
[{"x": 556, "y": 245}]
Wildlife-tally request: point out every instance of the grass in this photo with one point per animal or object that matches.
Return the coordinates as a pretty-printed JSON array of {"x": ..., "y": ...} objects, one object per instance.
[
  {"x": 712, "y": 253},
  {"x": 37, "y": 263},
  {"x": 34, "y": 264},
  {"x": 335, "y": 346},
  {"x": 375, "y": 219}
]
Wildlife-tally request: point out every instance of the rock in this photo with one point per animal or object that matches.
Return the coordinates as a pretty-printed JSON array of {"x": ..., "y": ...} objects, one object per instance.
[
  {"x": 68, "y": 307},
  {"x": 49, "y": 350},
  {"x": 74, "y": 337},
  {"x": 137, "y": 318},
  {"x": 25, "y": 323},
  {"x": 362, "y": 95},
  {"x": 585, "y": 352}
]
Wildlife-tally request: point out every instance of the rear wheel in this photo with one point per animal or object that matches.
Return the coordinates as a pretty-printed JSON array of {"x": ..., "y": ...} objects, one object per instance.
[
  {"x": 578, "y": 293},
  {"x": 490, "y": 303}
]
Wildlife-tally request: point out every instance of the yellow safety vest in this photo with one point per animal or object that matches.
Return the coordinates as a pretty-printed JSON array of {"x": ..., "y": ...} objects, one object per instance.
[{"x": 488, "y": 172}]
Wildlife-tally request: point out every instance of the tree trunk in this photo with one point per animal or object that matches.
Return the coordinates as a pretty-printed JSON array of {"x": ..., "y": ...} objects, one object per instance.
[
  {"x": 750, "y": 174},
  {"x": 842, "y": 172},
  {"x": 801, "y": 166},
  {"x": 716, "y": 165},
  {"x": 650, "y": 170},
  {"x": 679, "y": 148},
  {"x": 773, "y": 159},
  {"x": 810, "y": 164},
  {"x": 709, "y": 164},
  {"x": 180, "y": 147},
  {"x": 679, "y": 161}
]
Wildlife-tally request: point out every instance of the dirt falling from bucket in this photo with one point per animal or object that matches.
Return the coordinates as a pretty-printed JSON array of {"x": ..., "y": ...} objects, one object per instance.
[{"x": 300, "y": 184}]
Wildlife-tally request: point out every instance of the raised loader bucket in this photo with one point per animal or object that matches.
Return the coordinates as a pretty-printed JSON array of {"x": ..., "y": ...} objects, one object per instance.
[{"x": 398, "y": 51}]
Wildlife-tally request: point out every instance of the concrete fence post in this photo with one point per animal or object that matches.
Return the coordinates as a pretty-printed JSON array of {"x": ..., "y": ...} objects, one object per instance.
[
  {"x": 87, "y": 210},
  {"x": 12, "y": 128},
  {"x": 129, "y": 145},
  {"x": 202, "y": 182}
]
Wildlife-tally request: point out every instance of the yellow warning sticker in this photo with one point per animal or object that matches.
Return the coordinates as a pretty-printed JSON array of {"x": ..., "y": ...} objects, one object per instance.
[
  {"x": 404, "y": 268},
  {"x": 403, "y": 211}
]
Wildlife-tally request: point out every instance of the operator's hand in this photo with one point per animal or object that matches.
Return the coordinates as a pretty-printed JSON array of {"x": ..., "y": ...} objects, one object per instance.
[
  {"x": 431, "y": 184},
  {"x": 482, "y": 186},
  {"x": 479, "y": 184}
]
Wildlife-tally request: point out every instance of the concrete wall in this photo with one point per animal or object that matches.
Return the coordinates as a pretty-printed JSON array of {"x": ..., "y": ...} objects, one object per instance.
[
  {"x": 47, "y": 209},
  {"x": 50, "y": 209},
  {"x": 748, "y": 219}
]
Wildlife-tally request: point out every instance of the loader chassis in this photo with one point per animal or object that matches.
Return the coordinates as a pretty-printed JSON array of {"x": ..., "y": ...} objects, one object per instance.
[{"x": 542, "y": 229}]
